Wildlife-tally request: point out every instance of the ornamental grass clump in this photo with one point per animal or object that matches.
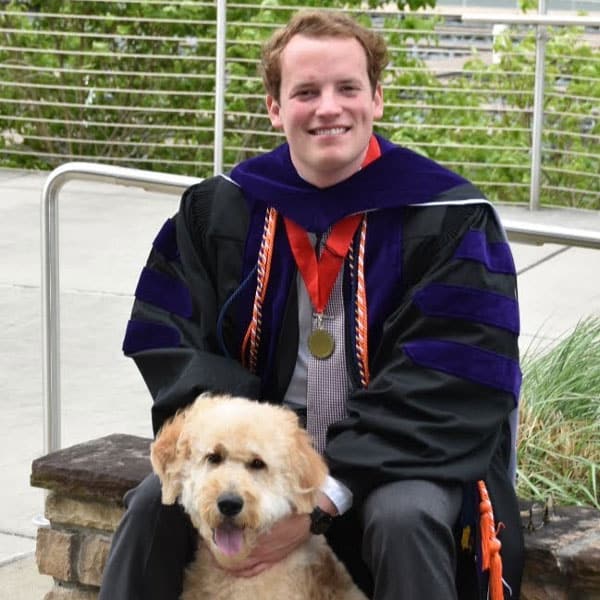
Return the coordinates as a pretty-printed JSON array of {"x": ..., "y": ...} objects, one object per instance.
[{"x": 559, "y": 436}]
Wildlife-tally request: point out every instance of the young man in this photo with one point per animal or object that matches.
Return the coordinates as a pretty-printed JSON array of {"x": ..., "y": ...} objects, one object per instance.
[{"x": 395, "y": 336}]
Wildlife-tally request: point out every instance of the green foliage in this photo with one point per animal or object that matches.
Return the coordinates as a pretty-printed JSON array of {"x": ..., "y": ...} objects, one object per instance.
[
  {"x": 134, "y": 83},
  {"x": 483, "y": 118},
  {"x": 559, "y": 440},
  {"x": 116, "y": 95}
]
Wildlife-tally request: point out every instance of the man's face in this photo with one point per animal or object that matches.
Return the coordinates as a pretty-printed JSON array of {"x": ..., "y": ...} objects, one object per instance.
[{"x": 326, "y": 107}]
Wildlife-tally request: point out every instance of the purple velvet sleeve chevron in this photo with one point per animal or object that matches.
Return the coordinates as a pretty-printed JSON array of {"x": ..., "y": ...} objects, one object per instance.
[
  {"x": 145, "y": 335},
  {"x": 166, "y": 242},
  {"x": 471, "y": 304},
  {"x": 164, "y": 291},
  {"x": 468, "y": 362},
  {"x": 496, "y": 256}
]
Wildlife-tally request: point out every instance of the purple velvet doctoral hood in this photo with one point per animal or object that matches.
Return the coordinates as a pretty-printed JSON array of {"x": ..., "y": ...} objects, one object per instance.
[{"x": 399, "y": 177}]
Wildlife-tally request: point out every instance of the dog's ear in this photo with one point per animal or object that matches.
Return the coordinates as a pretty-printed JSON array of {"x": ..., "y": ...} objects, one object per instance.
[
  {"x": 168, "y": 454},
  {"x": 310, "y": 468}
]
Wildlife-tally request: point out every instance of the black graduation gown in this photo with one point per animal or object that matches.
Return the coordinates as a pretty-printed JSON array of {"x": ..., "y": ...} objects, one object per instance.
[{"x": 443, "y": 322}]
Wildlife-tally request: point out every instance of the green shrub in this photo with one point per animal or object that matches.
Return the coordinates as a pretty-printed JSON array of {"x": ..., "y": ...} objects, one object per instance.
[{"x": 559, "y": 440}]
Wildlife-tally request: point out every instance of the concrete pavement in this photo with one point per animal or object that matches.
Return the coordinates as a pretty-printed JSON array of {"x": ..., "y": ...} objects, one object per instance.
[{"x": 105, "y": 234}]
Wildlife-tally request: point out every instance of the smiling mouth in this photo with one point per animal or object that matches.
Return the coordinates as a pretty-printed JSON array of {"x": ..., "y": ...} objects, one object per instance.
[{"x": 328, "y": 131}]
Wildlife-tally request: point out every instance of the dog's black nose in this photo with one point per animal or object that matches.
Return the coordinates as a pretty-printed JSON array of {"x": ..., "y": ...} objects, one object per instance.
[{"x": 230, "y": 504}]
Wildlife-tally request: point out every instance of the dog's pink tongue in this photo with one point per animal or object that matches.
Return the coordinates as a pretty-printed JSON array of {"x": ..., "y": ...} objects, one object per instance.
[{"x": 228, "y": 539}]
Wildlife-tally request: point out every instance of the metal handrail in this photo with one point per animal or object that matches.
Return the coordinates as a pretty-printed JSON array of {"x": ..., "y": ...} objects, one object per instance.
[
  {"x": 538, "y": 234},
  {"x": 163, "y": 182},
  {"x": 148, "y": 180},
  {"x": 541, "y": 21}
]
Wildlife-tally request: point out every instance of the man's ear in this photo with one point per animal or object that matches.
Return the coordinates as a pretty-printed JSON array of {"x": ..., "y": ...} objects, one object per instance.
[
  {"x": 168, "y": 454},
  {"x": 378, "y": 102},
  {"x": 274, "y": 110}
]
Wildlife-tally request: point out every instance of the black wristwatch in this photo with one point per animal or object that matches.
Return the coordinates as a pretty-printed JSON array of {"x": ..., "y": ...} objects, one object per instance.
[{"x": 320, "y": 521}]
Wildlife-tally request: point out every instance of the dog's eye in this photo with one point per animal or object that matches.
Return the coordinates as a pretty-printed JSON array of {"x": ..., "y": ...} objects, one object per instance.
[
  {"x": 214, "y": 458},
  {"x": 257, "y": 464}
]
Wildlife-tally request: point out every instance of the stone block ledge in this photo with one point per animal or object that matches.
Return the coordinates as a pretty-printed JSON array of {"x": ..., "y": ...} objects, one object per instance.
[
  {"x": 87, "y": 483},
  {"x": 102, "y": 469},
  {"x": 562, "y": 560}
]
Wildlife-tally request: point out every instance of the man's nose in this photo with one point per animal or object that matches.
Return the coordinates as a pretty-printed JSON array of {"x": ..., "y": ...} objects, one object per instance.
[{"x": 328, "y": 103}]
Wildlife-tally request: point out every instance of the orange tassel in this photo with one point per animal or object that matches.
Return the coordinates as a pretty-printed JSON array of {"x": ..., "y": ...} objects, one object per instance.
[{"x": 490, "y": 544}]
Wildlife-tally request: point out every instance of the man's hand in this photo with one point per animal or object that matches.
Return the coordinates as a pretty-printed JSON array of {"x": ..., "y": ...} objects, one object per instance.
[{"x": 282, "y": 539}]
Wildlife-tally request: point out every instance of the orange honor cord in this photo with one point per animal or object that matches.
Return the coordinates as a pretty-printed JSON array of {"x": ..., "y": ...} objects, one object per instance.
[
  {"x": 265, "y": 255},
  {"x": 490, "y": 544},
  {"x": 362, "y": 327}
]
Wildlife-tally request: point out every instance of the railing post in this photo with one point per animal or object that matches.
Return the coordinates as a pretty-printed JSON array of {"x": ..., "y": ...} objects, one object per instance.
[
  {"x": 538, "y": 112},
  {"x": 50, "y": 287},
  {"x": 220, "y": 86}
]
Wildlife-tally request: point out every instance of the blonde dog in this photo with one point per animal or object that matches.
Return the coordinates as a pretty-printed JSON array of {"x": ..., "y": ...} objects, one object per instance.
[{"x": 237, "y": 467}]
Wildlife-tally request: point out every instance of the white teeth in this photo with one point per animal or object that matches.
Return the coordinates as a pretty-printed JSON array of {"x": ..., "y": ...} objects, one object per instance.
[{"x": 332, "y": 131}]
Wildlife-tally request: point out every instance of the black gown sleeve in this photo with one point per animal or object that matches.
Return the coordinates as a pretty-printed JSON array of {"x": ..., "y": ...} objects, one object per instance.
[
  {"x": 445, "y": 374},
  {"x": 194, "y": 264}
]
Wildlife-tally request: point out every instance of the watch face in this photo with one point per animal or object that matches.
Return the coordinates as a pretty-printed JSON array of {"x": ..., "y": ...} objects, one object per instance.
[{"x": 320, "y": 521}]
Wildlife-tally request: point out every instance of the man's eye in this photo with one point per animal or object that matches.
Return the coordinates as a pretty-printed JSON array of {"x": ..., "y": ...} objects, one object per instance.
[
  {"x": 214, "y": 458},
  {"x": 257, "y": 464}
]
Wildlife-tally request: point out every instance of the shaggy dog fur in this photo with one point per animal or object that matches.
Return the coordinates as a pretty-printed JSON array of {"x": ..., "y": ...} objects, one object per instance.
[{"x": 237, "y": 467}]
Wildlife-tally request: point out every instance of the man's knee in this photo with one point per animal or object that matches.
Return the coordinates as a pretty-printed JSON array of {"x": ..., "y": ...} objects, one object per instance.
[
  {"x": 412, "y": 508},
  {"x": 408, "y": 529}
]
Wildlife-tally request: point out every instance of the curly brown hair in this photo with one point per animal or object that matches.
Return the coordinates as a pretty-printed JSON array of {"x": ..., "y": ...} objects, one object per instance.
[{"x": 318, "y": 24}]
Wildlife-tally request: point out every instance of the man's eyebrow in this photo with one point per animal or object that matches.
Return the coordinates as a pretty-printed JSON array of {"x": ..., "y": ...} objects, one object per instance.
[{"x": 303, "y": 83}]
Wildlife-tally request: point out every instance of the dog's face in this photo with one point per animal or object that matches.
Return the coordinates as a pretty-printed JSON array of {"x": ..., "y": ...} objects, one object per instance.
[{"x": 237, "y": 467}]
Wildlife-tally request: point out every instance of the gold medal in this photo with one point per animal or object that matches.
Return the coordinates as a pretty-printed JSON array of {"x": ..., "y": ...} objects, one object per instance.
[{"x": 321, "y": 343}]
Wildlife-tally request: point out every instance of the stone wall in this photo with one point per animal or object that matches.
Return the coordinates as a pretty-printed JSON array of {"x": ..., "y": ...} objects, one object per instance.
[{"x": 86, "y": 483}]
